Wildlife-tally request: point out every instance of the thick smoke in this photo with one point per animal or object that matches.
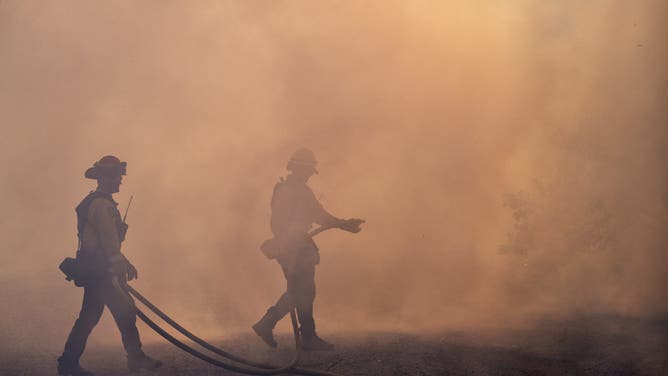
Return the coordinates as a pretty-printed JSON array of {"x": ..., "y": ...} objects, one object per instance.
[{"x": 509, "y": 157}]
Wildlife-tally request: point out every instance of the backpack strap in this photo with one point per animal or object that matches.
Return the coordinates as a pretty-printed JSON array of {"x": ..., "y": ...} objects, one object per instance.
[
  {"x": 82, "y": 211},
  {"x": 278, "y": 185}
]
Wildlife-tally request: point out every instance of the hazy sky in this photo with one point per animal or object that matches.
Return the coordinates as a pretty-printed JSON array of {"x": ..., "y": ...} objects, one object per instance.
[{"x": 424, "y": 115}]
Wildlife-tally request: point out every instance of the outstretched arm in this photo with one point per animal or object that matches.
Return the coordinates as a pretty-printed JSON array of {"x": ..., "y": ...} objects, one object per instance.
[{"x": 325, "y": 219}]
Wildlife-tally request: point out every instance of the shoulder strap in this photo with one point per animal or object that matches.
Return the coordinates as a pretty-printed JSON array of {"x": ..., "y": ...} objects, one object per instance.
[
  {"x": 82, "y": 210},
  {"x": 278, "y": 185}
]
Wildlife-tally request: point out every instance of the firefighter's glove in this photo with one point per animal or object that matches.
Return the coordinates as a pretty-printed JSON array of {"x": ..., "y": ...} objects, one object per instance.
[
  {"x": 351, "y": 225},
  {"x": 132, "y": 272},
  {"x": 119, "y": 268},
  {"x": 123, "y": 269}
]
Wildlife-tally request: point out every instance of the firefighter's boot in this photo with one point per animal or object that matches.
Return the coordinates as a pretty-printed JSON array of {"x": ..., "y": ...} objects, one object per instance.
[
  {"x": 68, "y": 367},
  {"x": 265, "y": 327},
  {"x": 311, "y": 342}
]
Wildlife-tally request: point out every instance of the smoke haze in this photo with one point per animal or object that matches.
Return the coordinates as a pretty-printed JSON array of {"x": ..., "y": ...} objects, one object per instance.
[{"x": 509, "y": 157}]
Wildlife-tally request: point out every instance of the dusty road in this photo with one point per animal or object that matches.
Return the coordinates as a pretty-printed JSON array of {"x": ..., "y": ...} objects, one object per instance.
[{"x": 601, "y": 346}]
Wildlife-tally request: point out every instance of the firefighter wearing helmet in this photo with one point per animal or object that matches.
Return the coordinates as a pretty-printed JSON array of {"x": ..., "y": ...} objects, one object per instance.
[
  {"x": 100, "y": 232},
  {"x": 294, "y": 209}
]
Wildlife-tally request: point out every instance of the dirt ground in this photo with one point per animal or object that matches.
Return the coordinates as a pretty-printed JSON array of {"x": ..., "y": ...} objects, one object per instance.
[{"x": 600, "y": 346}]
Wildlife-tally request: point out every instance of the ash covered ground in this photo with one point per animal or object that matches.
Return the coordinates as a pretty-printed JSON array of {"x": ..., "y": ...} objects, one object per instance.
[{"x": 607, "y": 345}]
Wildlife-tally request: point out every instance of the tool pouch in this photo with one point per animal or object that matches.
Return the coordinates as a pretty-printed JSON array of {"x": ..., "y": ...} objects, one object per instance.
[
  {"x": 82, "y": 270},
  {"x": 70, "y": 267},
  {"x": 270, "y": 248}
]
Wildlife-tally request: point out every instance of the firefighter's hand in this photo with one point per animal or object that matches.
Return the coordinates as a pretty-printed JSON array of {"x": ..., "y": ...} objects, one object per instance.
[
  {"x": 352, "y": 225},
  {"x": 132, "y": 272}
]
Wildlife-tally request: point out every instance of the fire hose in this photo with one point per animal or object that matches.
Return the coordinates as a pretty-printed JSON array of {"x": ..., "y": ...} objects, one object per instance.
[
  {"x": 248, "y": 367},
  {"x": 257, "y": 367}
]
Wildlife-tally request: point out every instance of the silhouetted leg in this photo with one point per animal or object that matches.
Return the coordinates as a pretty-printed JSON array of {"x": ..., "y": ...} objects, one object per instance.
[
  {"x": 304, "y": 295},
  {"x": 91, "y": 311},
  {"x": 304, "y": 300},
  {"x": 264, "y": 328},
  {"x": 125, "y": 317},
  {"x": 282, "y": 306},
  {"x": 285, "y": 302}
]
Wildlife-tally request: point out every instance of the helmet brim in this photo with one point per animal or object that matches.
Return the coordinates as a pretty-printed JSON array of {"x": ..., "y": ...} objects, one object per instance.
[
  {"x": 301, "y": 164},
  {"x": 91, "y": 173},
  {"x": 98, "y": 171}
]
